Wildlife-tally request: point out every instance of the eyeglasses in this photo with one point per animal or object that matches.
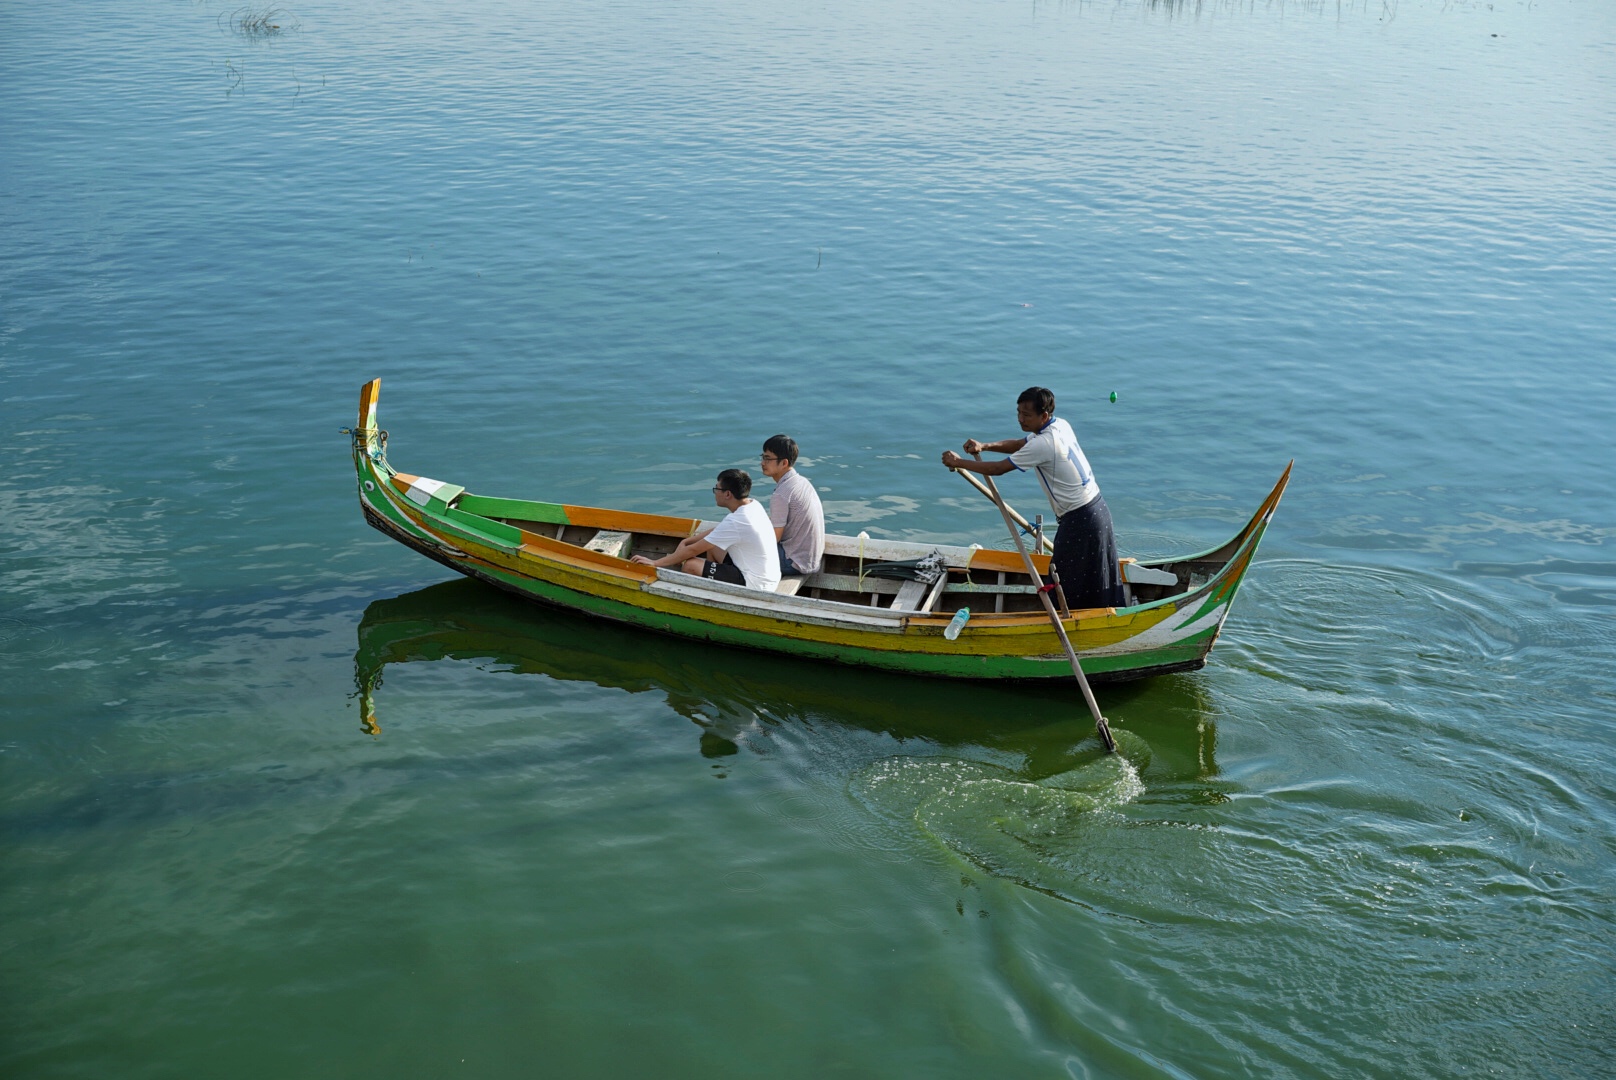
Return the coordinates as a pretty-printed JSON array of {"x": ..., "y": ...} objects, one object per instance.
[
  {"x": 771, "y": 457},
  {"x": 716, "y": 489}
]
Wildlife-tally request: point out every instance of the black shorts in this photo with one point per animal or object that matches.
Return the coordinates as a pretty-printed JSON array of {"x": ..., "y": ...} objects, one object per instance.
[{"x": 723, "y": 571}]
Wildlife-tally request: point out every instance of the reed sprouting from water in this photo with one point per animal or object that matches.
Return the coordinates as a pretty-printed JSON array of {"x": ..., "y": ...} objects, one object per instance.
[{"x": 256, "y": 22}]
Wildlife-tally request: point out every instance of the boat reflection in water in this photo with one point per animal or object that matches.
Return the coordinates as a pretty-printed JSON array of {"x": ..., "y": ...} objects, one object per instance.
[{"x": 726, "y": 691}]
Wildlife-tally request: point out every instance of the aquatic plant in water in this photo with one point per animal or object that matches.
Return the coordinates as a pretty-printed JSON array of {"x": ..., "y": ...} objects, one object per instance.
[{"x": 255, "y": 22}]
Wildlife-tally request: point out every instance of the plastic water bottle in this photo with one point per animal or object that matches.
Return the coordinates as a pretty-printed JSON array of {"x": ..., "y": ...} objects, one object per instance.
[{"x": 957, "y": 623}]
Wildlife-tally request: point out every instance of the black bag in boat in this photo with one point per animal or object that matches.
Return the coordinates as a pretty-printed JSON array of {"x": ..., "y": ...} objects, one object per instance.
[{"x": 927, "y": 569}]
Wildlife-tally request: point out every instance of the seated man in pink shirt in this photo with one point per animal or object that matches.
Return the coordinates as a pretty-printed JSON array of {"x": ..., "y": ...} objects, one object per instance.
[{"x": 799, "y": 519}]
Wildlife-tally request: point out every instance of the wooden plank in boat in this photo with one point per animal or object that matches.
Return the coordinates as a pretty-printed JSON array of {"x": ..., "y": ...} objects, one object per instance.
[
  {"x": 1003, "y": 590},
  {"x": 895, "y": 550},
  {"x": 1137, "y": 574},
  {"x": 850, "y": 583},
  {"x": 1008, "y": 561},
  {"x": 910, "y": 596},
  {"x": 615, "y": 544}
]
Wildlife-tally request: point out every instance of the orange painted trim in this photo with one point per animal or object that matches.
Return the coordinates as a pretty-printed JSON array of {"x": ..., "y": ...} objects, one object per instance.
[
  {"x": 534, "y": 547},
  {"x": 1012, "y": 620},
  {"x": 367, "y": 402},
  {"x": 1008, "y": 561},
  {"x": 545, "y": 548},
  {"x": 592, "y": 517}
]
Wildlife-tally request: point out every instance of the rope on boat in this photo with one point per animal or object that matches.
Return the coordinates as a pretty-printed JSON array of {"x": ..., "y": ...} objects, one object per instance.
[{"x": 362, "y": 435}]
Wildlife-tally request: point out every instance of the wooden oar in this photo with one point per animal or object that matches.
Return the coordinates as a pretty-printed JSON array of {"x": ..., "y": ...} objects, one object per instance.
[
  {"x": 1043, "y": 541},
  {"x": 1101, "y": 728}
]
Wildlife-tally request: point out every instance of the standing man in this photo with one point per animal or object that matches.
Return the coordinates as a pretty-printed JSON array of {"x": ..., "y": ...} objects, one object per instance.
[
  {"x": 742, "y": 546},
  {"x": 1085, "y": 549},
  {"x": 799, "y": 520}
]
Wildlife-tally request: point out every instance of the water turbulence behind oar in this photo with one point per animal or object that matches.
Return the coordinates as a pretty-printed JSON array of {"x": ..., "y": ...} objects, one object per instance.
[
  {"x": 1025, "y": 831},
  {"x": 1013, "y": 828}
]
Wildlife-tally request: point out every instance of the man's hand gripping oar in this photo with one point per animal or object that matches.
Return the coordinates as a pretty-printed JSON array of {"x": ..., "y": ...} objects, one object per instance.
[{"x": 1101, "y": 728}]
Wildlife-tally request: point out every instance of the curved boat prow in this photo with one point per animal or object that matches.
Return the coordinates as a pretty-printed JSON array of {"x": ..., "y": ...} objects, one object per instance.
[
  {"x": 1226, "y": 552},
  {"x": 367, "y": 436},
  {"x": 1259, "y": 521},
  {"x": 1270, "y": 504},
  {"x": 1244, "y": 546}
]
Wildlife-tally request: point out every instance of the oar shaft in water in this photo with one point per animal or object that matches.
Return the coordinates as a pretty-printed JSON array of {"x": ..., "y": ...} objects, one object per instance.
[{"x": 1101, "y": 728}]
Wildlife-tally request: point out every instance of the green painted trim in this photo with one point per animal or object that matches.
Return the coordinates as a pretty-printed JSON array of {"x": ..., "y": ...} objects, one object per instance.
[
  {"x": 377, "y": 501},
  {"x": 509, "y": 535},
  {"x": 495, "y": 534},
  {"x": 521, "y": 509}
]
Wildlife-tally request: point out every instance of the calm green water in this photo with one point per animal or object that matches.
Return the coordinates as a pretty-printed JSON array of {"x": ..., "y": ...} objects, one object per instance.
[{"x": 598, "y": 252}]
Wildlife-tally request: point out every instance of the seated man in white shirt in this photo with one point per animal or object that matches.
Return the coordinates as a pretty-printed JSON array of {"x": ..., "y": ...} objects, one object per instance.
[{"x": 741, "y": 549}]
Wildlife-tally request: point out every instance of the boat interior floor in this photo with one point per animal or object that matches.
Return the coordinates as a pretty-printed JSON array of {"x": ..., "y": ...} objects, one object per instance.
[{"x": 845, "y": 578}]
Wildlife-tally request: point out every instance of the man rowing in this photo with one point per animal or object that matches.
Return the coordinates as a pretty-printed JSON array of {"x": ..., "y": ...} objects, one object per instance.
[
  {"x": 1085, "y": 555},
  {"x": 741, "y": 549}
]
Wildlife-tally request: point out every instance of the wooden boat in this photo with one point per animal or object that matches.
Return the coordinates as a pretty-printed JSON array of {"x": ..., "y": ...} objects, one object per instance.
[{"x": 577, "y": 557}]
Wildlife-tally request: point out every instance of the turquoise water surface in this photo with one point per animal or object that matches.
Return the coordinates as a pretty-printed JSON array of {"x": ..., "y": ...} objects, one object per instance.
[{"x": 598, "y": 252}]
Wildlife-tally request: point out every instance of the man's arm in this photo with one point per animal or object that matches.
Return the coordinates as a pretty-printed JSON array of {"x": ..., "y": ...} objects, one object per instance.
[
  {"x": 986, "y": 468},
  {"x": 1003, "y": 446},
  {"x": 689, "y": 548}
]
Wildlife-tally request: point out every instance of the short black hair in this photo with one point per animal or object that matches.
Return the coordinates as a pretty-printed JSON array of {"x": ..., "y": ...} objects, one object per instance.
[
  {"x": 1042, "y": 399},
  {"x": 736, "y": 482},
  {"x": 782, "y": 446}
]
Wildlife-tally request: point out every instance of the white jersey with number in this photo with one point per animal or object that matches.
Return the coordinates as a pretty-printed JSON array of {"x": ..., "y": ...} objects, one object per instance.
[
  {"x": 1061, "y": 467},
  {"x": 747, "y": 537}
]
